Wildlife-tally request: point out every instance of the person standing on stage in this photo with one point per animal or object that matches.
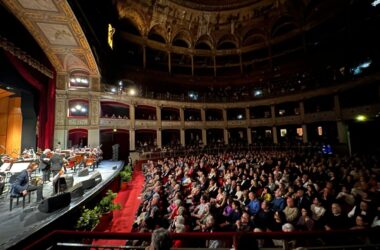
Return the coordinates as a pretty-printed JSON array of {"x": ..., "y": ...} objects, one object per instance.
[
  {"x": 23, "y": 185},
  {"x": 45, "y": 165},
  {"x": 56, "y": 164}
]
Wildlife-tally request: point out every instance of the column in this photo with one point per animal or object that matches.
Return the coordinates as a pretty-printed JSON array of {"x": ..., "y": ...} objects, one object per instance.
[
  {"x": 182, "y": 137},
  {"x": 273, "y": 113},
  {"x": 247, "y": 117},
  {"x": 192, "y": 65},
  {"x": 302, "y": 111},
  {"x": 132, "y": 140},
  {"x": 342, "y": 132},
  {"x": 249, "y": 136},
  {"x": 225, "y": 122},
  {"x": 182, "y": 117},
  {"x": 204, "y": 136},
  {"x": 241, "y": 63},
  {"x": 304, "y": 134},
  {"x": 170, "y": 62},
  {"x": 337, "y": 108},
  {"x": 159, "y": 138},
  {"x": 274, "y": 134},
  {"x": 158, "y": 115},
  {"x": 144, "y": 57},
  {"x": 203, "y": 115},
  {"x": 214, "y": 57},
  {"x": 132, "y": 132},
  {"x": 225, "y": 131},
  {"x": 93, "y": 137}
]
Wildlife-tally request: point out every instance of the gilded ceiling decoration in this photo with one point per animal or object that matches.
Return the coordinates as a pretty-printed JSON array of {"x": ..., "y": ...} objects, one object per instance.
[{"x": 56, "y": 29}]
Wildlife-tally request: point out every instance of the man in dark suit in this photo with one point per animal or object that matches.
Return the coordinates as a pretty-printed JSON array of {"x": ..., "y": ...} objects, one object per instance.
[
  {"x": 56, "y": 164},
  {"x": 22, "y": 184},
  {"x": 45, "y": 165}
]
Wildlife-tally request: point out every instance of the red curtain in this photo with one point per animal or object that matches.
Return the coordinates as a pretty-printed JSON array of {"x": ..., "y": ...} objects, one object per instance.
[{"x": 46, "y": 112}]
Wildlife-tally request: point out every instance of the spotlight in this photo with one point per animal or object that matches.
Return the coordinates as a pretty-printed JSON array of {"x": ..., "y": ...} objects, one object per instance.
[
  {"x": 132, "y": 92},
  {"x": 113, "y": 90},
  {"x": 240, "y": 116},
  {"x": 361, "y": 118},
  {"x": 83, "y": 110},
  {"x": 73, "y": 110},
  {"x": 120, "y": 83},
  {"x": 258, "y": 93},
  {"x": 114, "y": 130},
  {"x": 78, "y": 107}
]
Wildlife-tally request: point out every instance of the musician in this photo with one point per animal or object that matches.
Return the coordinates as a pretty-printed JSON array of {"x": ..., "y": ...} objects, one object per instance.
[
  {"x": 56, "y": 165},
  {"x": 23, "y": 185},
  {"x": 45, "y": 165}
]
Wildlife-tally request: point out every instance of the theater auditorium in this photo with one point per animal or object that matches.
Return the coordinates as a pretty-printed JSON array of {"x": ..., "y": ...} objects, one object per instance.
[{"x": 178, "y": 124}]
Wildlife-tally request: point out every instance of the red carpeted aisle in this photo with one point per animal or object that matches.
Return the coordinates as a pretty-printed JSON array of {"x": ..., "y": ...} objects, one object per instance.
[{"x": 129, "y": 200}]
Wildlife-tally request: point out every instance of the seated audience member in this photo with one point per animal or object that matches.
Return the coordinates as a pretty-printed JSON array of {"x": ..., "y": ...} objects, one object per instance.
[
  {"x": 335, "y": 219},
  {"x": 317, "y": 211},
  {"x": 364, "y": 210},
  {"x": 160, "y": 240},
  {"x": 305, "y": 222},
  {"x": 291, "y": 211},
  {"x": 244, "y": 224},
  {"x": 253, "y": 206},
  {"x": 278, "y": 203},
  {"x": 264, "y": 217}
]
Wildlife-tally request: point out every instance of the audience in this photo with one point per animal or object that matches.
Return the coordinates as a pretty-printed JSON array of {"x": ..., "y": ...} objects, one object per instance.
[{"x": 259, "y": 191}]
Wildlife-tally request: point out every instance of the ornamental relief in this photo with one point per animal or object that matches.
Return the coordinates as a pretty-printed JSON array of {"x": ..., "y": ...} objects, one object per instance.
[
  {"x": 320, "y": 116},
  {"x": 122, "y": 123},
  {"x": 288, "y": 119},
  {"x": 261, "y": 122},
  {"x": 237, "y": 123},
  {"x": 60, "y": 113},
  {"x": 94, "y": 112},
  {"x": 145, "y": 124},
  {"x": 171, "y": 123},
  {"x": 77, "y": 122},
  {"x": 198, "y": 124}
]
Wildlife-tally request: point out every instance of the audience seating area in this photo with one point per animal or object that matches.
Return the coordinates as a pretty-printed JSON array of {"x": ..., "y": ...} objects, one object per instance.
[{"x": 260, "y": 191}]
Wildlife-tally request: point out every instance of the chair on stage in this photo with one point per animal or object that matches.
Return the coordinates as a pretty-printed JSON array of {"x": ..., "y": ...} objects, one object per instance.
[
  {"x": 78, "y": 160},
  {"x": 90, "y": 162},
  {"x": 17, "y": 196}
]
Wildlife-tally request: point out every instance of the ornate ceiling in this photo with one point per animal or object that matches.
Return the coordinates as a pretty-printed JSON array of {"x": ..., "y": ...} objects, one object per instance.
[{"x": 56, "y": 29}]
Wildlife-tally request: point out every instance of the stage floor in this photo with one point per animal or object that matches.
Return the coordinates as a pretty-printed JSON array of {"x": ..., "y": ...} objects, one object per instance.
[{"x": 20, "y": 223}]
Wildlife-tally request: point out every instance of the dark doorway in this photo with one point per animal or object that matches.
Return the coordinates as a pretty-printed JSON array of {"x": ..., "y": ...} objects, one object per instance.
[
  {"x": 77, "y": 138},
  {"x": 110, "y": 137}
]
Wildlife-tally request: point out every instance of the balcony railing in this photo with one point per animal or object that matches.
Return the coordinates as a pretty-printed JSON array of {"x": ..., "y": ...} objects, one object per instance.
[{"x": 342, "y": 239}]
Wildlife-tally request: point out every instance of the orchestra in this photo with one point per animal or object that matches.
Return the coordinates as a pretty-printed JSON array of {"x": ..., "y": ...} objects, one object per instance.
[{"x": 52, "y": 163}]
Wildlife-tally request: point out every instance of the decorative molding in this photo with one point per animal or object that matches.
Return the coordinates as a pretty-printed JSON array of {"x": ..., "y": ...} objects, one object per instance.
[
  {"x": 77, "y": 122},
  {"x": 109, "y": 122},
  {"x": 25, "y": 57},
  {"x": 56, "y": 29}
]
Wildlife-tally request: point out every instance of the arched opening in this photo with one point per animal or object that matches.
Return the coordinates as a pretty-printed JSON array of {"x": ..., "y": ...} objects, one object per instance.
[
  {"x": 78, "y": 108},
  {"x": 215, "y": 137},
  {"x": 171, "y": 138},
  {"x": 193, "y": 137},
  {"x": 146, "y": 139},
  {"x": 111, "y": 137},
  {"x": 78, "y": 138}
]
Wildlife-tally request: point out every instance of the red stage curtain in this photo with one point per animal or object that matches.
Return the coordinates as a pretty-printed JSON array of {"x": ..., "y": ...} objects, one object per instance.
[{"x": 46, "y": 112}]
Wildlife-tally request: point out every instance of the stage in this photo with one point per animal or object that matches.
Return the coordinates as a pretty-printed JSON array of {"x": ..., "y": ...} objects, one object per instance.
[{"x": 20, "y": 224}]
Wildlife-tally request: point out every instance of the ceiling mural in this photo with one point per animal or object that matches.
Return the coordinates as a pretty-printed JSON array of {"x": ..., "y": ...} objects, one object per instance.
[{"x": 58, "y": 32}]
